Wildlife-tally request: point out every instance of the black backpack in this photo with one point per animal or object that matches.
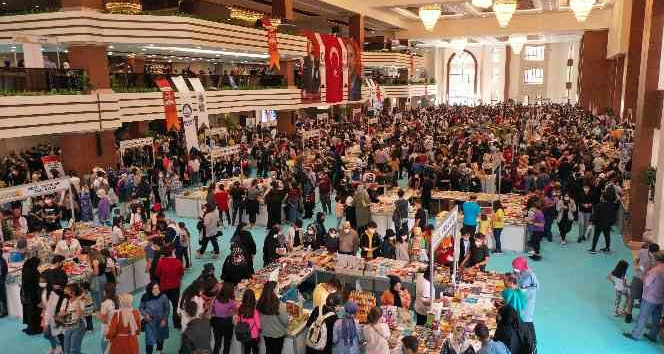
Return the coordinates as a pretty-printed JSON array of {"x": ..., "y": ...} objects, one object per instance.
[{"x": 243, "y": 332}]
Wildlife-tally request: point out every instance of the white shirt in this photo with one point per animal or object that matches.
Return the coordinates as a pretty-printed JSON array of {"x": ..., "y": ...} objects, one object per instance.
[
  {"x": 116, "y": 235},
  {"x": 422, "y": 292},
  {"x": 185, "y": 318},
  {"x": 107, "y": 309},
  {"x": 68, "y": 250},
  {"x": 377, "y": 338}
]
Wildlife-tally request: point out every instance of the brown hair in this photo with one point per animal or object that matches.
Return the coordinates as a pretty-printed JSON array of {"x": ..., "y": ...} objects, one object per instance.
[
  {"x": 268, "y": 303},
  {"x": 248, "y": 305},
  {"x": 374, "y": 315}
]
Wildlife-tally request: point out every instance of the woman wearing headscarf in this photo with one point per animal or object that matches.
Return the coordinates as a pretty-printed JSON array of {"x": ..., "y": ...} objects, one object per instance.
[
  {"x": 124, "y": 328},
  {"x": 274, "y": 241},
  {"x": 155, "y": 308},
  {"x": 512, "y": 295},
  {"x": 31, "y": 296},
  {"x": 245, "y": 240},
  {"x": 236, "y": 266},
  {"x": 512, "y": 332},
  {"x": 396, "y": 295},
  {"x": 346, "y": 333},
  {"x": 361, "y": 202}
]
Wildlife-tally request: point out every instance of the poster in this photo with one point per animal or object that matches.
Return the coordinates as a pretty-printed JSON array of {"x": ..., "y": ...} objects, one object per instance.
[
  {"x": 272, "y": 46},
  {"x": 311, "y": 79},
  {"x": 189, "y": 122},
  {"x": 203, "y": 117},
  {"x": 53, "y": 167},
  {"x": 170, "y": 108},
  {"x": 357, "y": 114},
  {"x": 334, "y": 68},
  {"x": 25, "y": 191},
  {"x": 354, "y": 53}
]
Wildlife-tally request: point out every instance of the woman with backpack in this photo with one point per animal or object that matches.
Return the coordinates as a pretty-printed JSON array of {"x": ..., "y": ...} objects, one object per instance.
[
  {"x": 320, "y": 326},
  {"x": 274, "y": 319},
  {"x": 224, "y": 308},
  {"x": 346, "y": 333},
  {"x": 248, "y": 323}
]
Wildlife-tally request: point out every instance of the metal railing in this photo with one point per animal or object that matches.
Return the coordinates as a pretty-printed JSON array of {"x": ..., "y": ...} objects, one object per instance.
[
  {"x": 138, "y": 82},
  {"x": 54, "y": 81}
]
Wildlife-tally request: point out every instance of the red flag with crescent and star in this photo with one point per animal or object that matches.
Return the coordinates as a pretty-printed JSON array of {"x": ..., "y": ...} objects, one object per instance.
[{"x": 334, "y": 74}]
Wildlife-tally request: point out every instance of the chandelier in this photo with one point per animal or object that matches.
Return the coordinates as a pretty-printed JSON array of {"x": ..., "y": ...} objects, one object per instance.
[
  {"x": 429, "y": 14},
  {"x": 517, "y": 41},
  {"x": 504, "y": 10},
  {"x": 127, "y": 7},
  {"x": 484, "y": 4},
  {"x": 459, "y": 44},
  {"x": 581, "y": 8}
]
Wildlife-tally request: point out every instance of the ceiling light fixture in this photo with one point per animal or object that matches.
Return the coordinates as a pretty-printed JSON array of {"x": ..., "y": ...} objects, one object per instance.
[
  {"x": 429, "y": 14},
  {"x": 459, "y": 45},
  {"x": 517, "y": 41},
  {"x": 483, "y": 4},
  {"x": 211, "y": 52},
  {"x": 127, "y": 7},
  {"x": 581, "y": 8},
  {"x": 504, "y": 10}
]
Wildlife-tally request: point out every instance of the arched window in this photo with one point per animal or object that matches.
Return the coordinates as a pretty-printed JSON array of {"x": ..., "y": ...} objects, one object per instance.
[{"x": 462, "y": 78}]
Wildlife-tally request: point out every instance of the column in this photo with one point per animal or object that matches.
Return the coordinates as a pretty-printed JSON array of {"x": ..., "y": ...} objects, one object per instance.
[
  {"x": 508, "y": 60},
  {"x": 658, "y": 221},
  {"x": 593, "y": 65},
  {"x": 99, "y": 151},
  {"x": 287, "y": 70},
  {"x": 82, "y": 4},
  {"x": 648, "y": 114},
  {"x": 94, "y": 61},
  {"x": 283, "y": 9},
  {"x": 356, "y": 29},
  {"x": 633, "y": 60}
]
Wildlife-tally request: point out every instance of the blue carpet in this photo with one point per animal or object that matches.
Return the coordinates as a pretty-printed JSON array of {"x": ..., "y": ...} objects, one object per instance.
[{"x": 573, "y": 313}]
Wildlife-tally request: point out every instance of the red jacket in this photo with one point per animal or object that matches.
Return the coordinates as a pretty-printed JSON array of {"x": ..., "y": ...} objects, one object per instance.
[
  {"x": 170, "y": 272},
  {"x": 221, "y": 198}
]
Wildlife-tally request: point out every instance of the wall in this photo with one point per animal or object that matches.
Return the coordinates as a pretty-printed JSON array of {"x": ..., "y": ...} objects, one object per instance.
[
  {"x": 594, "y": 70},
  {"x": 619, "y": 27}
]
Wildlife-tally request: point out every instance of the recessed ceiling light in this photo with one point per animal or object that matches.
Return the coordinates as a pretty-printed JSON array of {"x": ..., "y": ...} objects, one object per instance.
[
  {"x": 13, "y": 47},
  {"x": 208, "y": 51},
  {"x": 66, "y": 50},
  {"x": 110, "y": 53},
  {"x": 198, "y": 47},
  {"x": 111, "y": 47},
  {"x": 143, "y": 49},
  {"x": 151, "y": 45}
]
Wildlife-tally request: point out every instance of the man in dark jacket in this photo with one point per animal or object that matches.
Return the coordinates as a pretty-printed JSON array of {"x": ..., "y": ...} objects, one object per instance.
[{"x": 604, "y": 216}]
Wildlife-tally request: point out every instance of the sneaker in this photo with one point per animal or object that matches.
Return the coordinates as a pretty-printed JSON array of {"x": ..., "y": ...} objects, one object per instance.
[
  {"x": 630, "y": 336},
  {"x": 592, "y": 251},
  {"x": 605, "y": 250},
  {"x": 498, "y": 252},
  {"x": 563, "y": 243}
]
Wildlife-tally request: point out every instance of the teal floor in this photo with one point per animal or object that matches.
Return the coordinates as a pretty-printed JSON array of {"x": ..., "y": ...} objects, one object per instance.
[{"x": 573, "y": 313}]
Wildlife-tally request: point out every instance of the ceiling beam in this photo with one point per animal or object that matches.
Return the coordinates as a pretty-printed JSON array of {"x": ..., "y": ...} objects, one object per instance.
[{"x": 530, "y": 23}]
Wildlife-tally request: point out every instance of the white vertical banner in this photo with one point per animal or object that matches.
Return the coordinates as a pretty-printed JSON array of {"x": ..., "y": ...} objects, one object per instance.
[
  {"x": 345, "y": 82},
  {"x": 200, "y": 101},
  {"x": 189, "y": 125}
]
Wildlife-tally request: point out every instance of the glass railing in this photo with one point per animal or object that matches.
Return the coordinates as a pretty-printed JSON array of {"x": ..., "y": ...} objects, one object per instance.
[
  {"x": 24, "y": 7},
  {"x": 22, "y": 81},
  {"x": 123, "y": 82}
]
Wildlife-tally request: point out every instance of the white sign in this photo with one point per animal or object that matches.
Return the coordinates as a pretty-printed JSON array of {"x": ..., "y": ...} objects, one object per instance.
[
  {"x": 53, "y": 163},
  {"x": 217, "y": 131},
  {"x": 190, "y": 130},
  {"x": 134, "y": 143},
  {"x": 201, "y": 101},
  {"x": 322, "y": 116},
  {"x": 25, "y": 191},
  {"x": 225, "y": 151},
  {"x": 445, "y": 228}
]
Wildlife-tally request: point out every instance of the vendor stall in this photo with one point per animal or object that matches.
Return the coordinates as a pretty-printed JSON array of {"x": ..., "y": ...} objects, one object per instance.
[{"x": 134, "y": 151}]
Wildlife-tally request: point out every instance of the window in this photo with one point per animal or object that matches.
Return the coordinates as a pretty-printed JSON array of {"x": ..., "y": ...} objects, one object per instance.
[
  {"x": 534, "y": 76},
  {"x": 462, "y": 69},
  {"x": 534, "y": 53}
]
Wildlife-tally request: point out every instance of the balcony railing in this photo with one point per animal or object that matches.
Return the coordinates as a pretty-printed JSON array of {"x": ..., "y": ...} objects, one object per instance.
[
  {"x": 24, "y": 7},
  {"x": 392, "y": 81},
  {"x": 22, "y": 81},
  {"x": 122, "y": 82}
]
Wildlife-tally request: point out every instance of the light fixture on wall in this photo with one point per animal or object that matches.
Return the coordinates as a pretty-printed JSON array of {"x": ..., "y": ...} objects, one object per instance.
[
  {"x": 459, "y": 45},
  {"x": 429, "y": 14},
  {"x": 504, "y": 10},
  {"x": 125, "y": 7},
  {"x": 517, "y": 41},
  {"x": 581, "y": 8},
  {"x": 484, "y": 4}
]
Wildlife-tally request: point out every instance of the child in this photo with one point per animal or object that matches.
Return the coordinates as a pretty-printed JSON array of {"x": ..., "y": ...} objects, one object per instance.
[
  {"x": 339, "y": 209},
  {"x": 619, "y": 279},
  {"x": 184, "y": 243},
  {"x": 89, "y": 305},
  {"x": 484, "y": 225}
]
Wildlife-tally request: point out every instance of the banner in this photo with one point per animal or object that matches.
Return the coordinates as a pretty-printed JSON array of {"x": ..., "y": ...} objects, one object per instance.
[
  {"x": 25, "y": 191},
  {"x": 272, "y": 47},
  {"x": 311, "y": 79},
  {"x": 170, "y": 108},
  {"x": 203, "y": 117},
  {"x": 322, "y": 117},
  {"x": 53, "y": 167},
  {"x": 354, "y": 53},
  {"x": 134, "y": 143},
  {"x": 226, "y": 151},
  {"x": 333, "y": 68},
  {"x": 189, "y": 122},
  {"x": 310, "y": 134},
  {"x": 357, "y": 114}
]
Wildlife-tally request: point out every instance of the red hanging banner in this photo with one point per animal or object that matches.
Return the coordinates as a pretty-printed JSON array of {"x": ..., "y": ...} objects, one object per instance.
[
  {"x": 333, "y": 68},
  {"x": 170, "y": 108},
  {"x": 272, "y": 47}
]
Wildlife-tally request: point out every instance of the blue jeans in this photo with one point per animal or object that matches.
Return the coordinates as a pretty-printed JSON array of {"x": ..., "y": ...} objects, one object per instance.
[
  {"x": 648, "y": 309},
  {"x": 74, "y": 339},
  {"x": 496, "y": 236},
  {"x": 50, "y": 338}
]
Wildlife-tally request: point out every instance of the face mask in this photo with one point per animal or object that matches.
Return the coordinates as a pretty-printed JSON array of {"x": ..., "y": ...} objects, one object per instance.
[
  {"x": 155, "y": 292},
  {"x": 346, "y": 230},
  {"x": 478, "y": 244},
  {"x": 567, "y": 199},
  {"x": 516, "y": 271},
  {"x": 42, "y": 285}
]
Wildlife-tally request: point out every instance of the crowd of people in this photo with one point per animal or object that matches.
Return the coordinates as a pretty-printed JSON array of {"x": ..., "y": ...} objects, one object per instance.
[{"x": 572, "y": 166}]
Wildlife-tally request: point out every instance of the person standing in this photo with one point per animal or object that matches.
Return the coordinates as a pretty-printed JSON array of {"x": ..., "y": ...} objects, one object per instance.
[
  {"x": 645, "y": 260},
  {"x": 170, "y": 272},
  {"x": 248, "y": 315},
  {"x": 584, "y": 202},
  {"x": 471, "y": 210},
  {"x": 527, "y": 281},
  {"x": 346, "y": 331},
  {"x": 252, "y": 203},
  {"x": 31, "y": 296},
  {"x": 124, "y": 328},
  {"x": 221, "y": 198},
  {"x": 370, "y": 242},
  {"x": 536, "y": 223},
  {"x": 324, "y": 191},
  {"x": 396, "y": 295},
  {"x": 566, "y": 208},
  {"x": 489, "y": 346},
  {"x": 109, "y": 305},
  {"x": 210, "y": 230},
  {"x": 497, "y": 224},
  {"x": 652, "y": 301},
  {"x": 324, "y": 315},
  {"x": 349, "y": 241},
  {"x": 239, "y": 197},
  {"x": 155, "y": 309},
  {"x": 273, "y": 318},
  {"x": 423, "y": 296},
  {"x": 224, "y": 308},
  {"x": 361, "y": 202},
  {"x": 603, "y": 218},
  {"x": 71, "y": 316},
  {"x": 376, "y": 333}
]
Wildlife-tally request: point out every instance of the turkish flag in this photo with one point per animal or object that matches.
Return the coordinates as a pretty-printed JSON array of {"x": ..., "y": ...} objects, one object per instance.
[{"x": 334, "y": 74}]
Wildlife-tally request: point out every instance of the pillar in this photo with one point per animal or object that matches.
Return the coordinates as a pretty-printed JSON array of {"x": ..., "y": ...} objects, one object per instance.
[
  {"x": 287, "y": 70},
  {"x": 283, "y": 9},
  {"x": 286, "y": 122},
  {"x": 82, "y": 4},
  {"x": 648, "y": 114},
  {"x": 94, "y": 61},
  {"x": 99, "y": 151},
  {"x": 633, "y": 60},
  {"x": 356, "y": 29},
  {"x": 508, "y": 60},
  {"x": 593, "y": 65}
]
